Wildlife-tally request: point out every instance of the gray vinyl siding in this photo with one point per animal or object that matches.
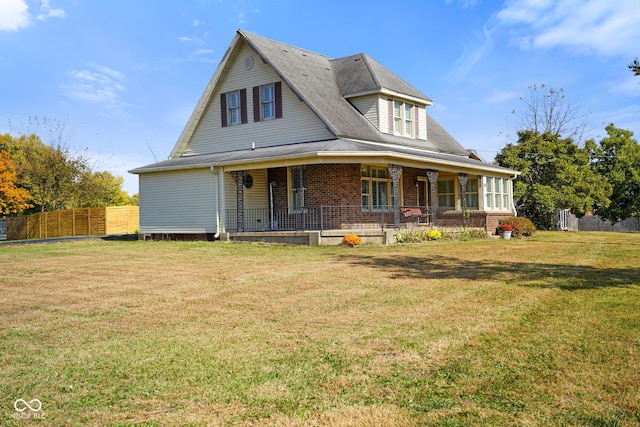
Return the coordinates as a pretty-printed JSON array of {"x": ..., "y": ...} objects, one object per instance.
[
  {"x": 299, "y": 123},
  {"x": 178, "y": 202},
  {"x": 256, "y": 199},
  {"x": 368, "y": 106}
]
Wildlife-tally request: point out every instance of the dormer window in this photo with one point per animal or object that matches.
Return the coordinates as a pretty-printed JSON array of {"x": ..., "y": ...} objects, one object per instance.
[{"x": 403, "y": 120}]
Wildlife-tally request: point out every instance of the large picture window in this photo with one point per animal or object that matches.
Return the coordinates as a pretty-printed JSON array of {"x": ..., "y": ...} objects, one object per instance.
[
  {"x": 376, "y": 188},
  {"x": 446, "y": 194}
]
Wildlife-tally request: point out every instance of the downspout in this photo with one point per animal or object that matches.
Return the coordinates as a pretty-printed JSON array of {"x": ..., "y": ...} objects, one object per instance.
[
  {"x": 217, "y": 177},
  {"x": 272, "y": 225}
]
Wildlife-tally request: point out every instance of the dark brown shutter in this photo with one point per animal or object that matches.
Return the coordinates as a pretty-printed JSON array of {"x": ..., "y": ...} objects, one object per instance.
[
  {"x": 390, "y": 106},
  {"x": 243, "y": 106},
  {"x": 277, "y": 88},
  {"x": 416, "y": 118},
  {"x": 223, "y": 109},
  {"x": 256, "y": 103}
]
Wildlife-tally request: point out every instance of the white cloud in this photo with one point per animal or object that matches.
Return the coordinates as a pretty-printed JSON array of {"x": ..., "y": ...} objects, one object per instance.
[
  {"x": 46, "y": 11},
  {"x": 14, "y": 15},
  {"x": 501, "y": 97},
  {"x": 471, "y": 56},
  {"x": 586, "y": 26},
  {"x": 98, "y": 85},
  {"x": 463, "y": 3}
]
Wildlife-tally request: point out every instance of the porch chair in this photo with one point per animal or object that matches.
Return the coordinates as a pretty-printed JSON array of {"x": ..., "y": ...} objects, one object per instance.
[{"x": 416, "y": 213}]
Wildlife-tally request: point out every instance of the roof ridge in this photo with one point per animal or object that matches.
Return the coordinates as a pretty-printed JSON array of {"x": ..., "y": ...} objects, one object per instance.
[
  {"x": 366, "y": 58},
  {"x": 248, "y": 35}
]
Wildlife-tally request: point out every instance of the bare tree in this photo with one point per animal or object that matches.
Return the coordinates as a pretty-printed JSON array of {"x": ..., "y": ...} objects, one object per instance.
[
  {"x": 550, "y": 111},
  {"x": 635, "y": 67}
]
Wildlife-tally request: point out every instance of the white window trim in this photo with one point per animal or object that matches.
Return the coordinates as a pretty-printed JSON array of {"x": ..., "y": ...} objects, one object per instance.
[
  {"x": 272, "y": 102},
  {"x": 230, "y": 108},
  {"x": 500, "y": 191},
  {"x": 403, "y": 120},
  {"x": 370, "y": 179}
]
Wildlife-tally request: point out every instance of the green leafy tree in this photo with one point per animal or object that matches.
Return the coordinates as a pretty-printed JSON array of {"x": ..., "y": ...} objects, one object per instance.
[
  {"x": 49, "y": 173},
  {"x": 555, "y": 173},
  {"x": 100, "y": 189},
  {"x": 618, "y": 162}
]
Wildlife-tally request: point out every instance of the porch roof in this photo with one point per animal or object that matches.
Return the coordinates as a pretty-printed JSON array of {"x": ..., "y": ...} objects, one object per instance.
[{"x": 329, "y": 151}]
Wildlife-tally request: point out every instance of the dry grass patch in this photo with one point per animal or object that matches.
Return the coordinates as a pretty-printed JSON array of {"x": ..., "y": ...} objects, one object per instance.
[{"x": 539, "y": 331}]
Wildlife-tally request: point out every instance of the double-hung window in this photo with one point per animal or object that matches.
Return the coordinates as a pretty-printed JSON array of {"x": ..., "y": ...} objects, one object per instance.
[
  {"x": 267, "y": 102},
  {"x": 298, "y": 188},
  {"x": 403, "y": 120},
  {"x": 375, "y": 188},
  {"x": 233, "y": 105},
  {"x": 472, "y": 194}
]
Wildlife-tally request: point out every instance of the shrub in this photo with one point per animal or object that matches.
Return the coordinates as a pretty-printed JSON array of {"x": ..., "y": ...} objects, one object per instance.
[
  {"x": 505, "y": 227},
  {"x": 351, "y": 240},
  {"x": 434, "y": 235},
  {"x": 520, "y": 226}
]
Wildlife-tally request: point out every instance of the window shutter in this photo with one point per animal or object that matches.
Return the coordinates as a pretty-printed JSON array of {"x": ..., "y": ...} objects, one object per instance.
[
  {"x": 243, "y": 106},
  {"x": 390, "y": 108},
  {"x": 277, "y": 88},
  {"x": 256, "y": 103},
  {"x": 223, "y": 109},
  {"x": 416, "y": 113}
]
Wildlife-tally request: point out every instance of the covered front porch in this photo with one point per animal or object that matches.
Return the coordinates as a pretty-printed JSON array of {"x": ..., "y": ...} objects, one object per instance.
[{"x": 352, "y": 196}]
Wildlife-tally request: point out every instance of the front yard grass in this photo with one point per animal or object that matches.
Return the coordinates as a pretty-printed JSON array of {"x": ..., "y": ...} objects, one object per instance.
[{"x": 533, "y": 332}]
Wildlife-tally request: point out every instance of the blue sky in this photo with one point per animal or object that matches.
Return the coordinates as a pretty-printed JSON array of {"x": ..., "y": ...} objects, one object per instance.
[{"x": 126, "y": 74}]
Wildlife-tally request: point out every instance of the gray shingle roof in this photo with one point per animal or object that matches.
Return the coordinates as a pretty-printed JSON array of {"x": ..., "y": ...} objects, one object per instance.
[
  {"x": 321, "y": 82},
  {"x": 361, "y": 73},
  {"x": 319, "y": 149}
]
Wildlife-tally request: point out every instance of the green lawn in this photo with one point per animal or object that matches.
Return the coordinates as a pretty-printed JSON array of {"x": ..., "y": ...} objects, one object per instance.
[{"x": 531, "y": 332}]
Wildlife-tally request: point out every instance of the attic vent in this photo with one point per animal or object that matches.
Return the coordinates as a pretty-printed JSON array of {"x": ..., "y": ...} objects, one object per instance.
[{"x": 248, "y": 63}]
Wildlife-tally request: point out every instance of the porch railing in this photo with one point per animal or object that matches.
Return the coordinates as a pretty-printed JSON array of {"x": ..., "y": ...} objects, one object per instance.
[{"x": 317, "y": 218}]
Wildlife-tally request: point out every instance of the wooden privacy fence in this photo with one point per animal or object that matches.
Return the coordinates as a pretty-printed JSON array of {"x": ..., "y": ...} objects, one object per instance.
[
  {"x": 565, "y": 220},
  {"x": 75, "y": 222}
]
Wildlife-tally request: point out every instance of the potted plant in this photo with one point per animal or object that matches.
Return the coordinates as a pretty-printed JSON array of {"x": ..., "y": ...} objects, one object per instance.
[{"x": 505, "y": 230}]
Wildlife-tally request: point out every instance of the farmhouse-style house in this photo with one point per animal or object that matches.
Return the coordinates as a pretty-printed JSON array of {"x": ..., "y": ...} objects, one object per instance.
[{"x": 286, "y": 143}]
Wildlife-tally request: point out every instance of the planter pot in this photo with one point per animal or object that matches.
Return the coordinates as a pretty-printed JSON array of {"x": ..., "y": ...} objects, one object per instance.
[{"x": 506, "y": 235}]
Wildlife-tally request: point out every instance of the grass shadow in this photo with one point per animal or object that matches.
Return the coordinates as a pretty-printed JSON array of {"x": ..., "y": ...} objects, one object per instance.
[{"x": 567, "y": 277}]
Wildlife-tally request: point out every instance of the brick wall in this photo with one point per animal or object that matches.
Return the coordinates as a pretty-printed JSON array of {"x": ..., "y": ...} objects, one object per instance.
[{"x": 327, "y": 185}]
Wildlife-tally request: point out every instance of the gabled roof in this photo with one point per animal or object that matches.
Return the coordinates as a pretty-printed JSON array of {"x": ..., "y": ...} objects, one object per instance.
[{"x": 322, "y": 83}]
